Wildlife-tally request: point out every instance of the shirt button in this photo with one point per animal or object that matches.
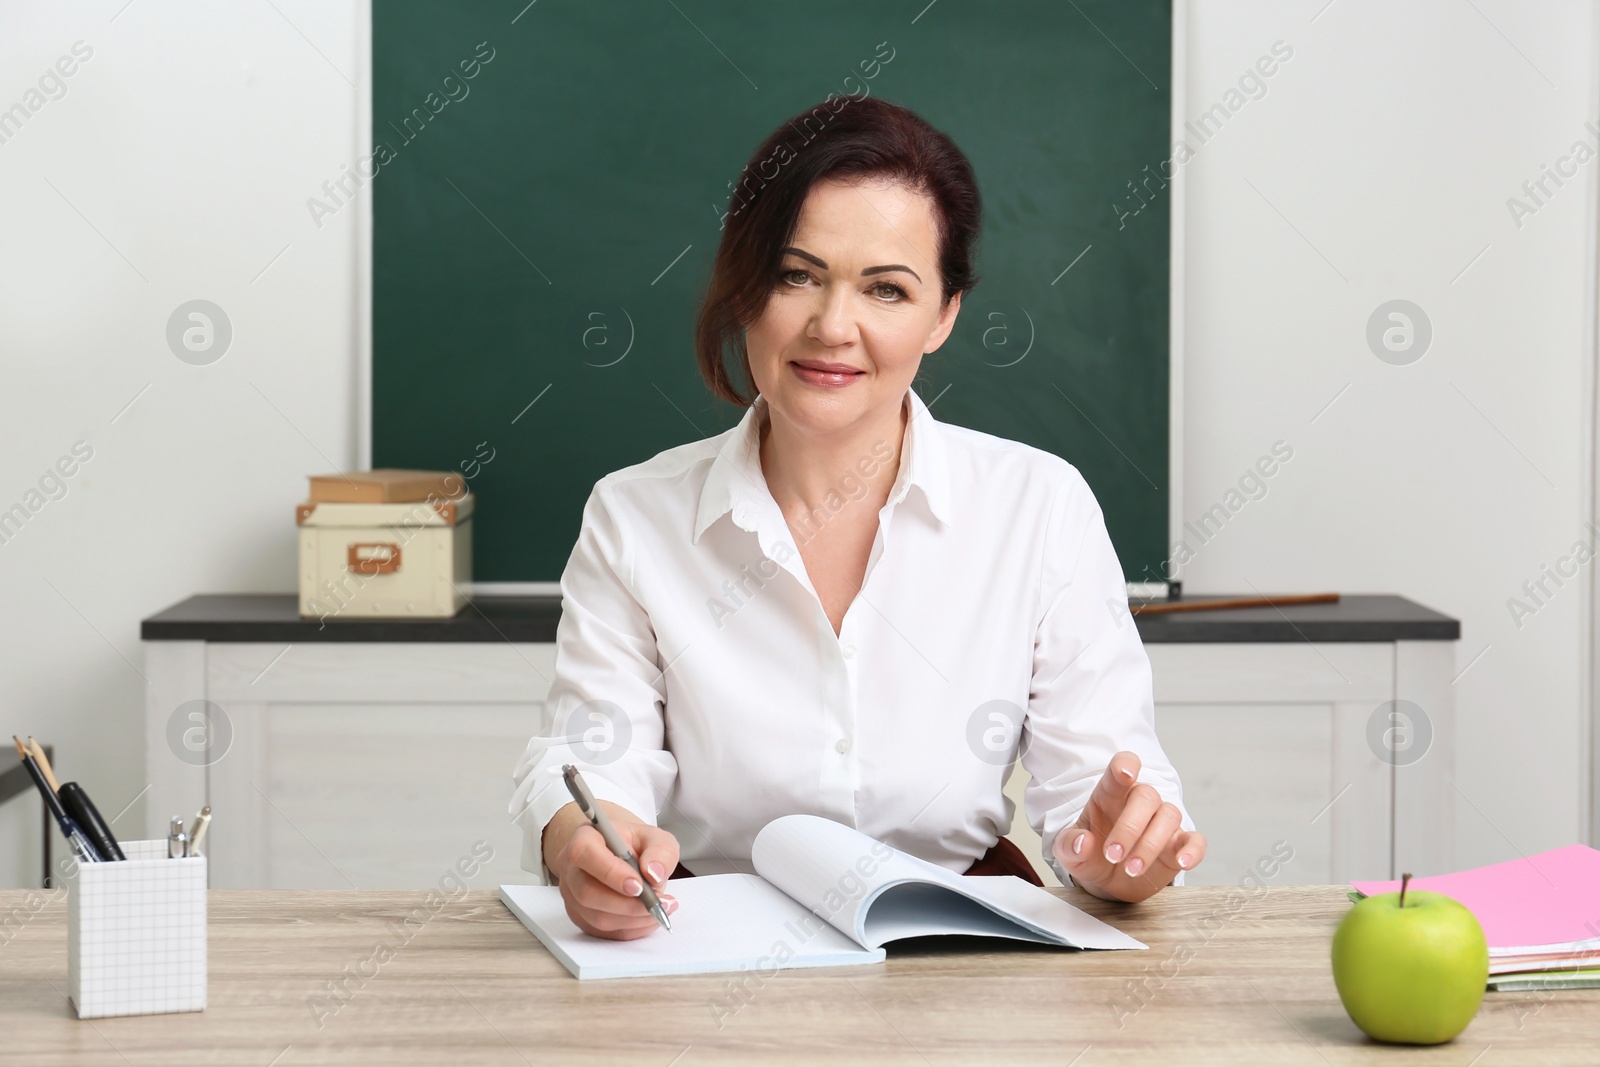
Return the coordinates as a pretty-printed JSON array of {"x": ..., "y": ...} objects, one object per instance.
[
  {"x": 849, "y": 653},
  {"x": 843, "y": 746},
  {"x": 742, "y": 516}
]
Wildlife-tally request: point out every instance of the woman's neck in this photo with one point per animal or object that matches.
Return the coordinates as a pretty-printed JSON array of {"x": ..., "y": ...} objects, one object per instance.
[{"x": 803, "y": 471}]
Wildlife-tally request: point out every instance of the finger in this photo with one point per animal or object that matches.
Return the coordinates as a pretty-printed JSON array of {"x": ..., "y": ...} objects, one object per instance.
[
  {"x": 587, "y": 851},
  {"x": 627, "y": 920},
  {"x": 1077, "y": 849},
  {"x": 1141, "y": 804},
  {"x": 1111, "y": 792},
  {"x": 605, "y": 924},
  {"x": 594, "y": 896},
  {"x": 608, "y": 927},
  {"x": 1185, "y": 851},
  {"x": 658, "y": 854},
  {"x": 1147, "y": 851}
]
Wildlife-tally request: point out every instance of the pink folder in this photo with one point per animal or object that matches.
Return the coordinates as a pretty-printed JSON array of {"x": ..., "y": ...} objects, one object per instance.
[{"x": 1548, "y": 899}]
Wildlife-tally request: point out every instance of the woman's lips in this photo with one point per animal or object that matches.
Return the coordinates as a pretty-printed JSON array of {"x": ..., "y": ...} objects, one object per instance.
[{"x": 827, "y": 375}]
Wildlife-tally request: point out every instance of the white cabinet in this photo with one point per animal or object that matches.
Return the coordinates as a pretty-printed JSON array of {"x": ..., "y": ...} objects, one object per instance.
[
  {"x": 373, "y": 766},
  {"x": 382, "y": 764},
  {"x": 1336, "y": 754}
]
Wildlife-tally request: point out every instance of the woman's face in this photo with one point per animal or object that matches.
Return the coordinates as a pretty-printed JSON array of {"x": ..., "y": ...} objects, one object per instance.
[{"x": 854, "y": 306}]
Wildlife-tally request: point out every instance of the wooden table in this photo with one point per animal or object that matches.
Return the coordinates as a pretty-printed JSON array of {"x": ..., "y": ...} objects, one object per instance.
[{"x": 1233, "y": 976}]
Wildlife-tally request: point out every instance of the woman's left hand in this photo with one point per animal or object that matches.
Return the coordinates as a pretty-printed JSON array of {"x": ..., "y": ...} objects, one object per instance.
[{"x": 1128, "y": 843}]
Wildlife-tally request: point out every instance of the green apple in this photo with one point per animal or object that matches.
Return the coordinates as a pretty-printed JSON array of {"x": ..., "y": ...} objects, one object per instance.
[{"x": 1410, "y": 967}]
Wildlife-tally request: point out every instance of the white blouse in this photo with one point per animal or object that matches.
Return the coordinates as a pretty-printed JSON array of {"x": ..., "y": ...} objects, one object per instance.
[{"x": 700, "y": 685}]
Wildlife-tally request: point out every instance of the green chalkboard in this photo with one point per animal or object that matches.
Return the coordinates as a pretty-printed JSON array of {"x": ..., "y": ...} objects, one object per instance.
[{"x": 544, "y": 229}]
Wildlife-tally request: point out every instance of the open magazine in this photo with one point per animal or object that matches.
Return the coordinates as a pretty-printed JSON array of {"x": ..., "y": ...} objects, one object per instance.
[{"x": 823, "y": 895}]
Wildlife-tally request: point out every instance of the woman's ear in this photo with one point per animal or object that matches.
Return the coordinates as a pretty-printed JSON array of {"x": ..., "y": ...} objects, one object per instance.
[{"x": 946, "y": 323}]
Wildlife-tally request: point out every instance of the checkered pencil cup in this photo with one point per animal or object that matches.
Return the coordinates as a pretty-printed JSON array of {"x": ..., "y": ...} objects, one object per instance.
[{"x": 136, "y": 933}]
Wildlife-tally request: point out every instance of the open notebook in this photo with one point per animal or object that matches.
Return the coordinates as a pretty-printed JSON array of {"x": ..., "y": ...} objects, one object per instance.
[{"x": 824, "y": 895}]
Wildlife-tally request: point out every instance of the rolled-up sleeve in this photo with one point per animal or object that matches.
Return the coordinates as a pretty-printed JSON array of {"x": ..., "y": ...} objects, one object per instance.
[
  {"x": 604, "y": 711},
  {"x": 1091, "y": 695}
]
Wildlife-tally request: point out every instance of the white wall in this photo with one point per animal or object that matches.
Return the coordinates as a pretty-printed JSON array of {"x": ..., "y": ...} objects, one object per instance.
[
  {"x": 1377, "y": 166},
  {"x": 175, "y": 167}
]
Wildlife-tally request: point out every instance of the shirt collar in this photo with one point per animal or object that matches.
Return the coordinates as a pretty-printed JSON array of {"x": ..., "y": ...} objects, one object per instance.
[{"x": 735, "y": 477}]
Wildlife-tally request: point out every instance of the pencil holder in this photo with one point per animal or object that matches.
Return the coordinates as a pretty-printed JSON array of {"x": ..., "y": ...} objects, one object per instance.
[{"x": 136, "y": 933}]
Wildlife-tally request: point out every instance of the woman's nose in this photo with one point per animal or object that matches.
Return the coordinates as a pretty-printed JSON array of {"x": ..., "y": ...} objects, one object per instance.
[{"x": 832, "y": 322}]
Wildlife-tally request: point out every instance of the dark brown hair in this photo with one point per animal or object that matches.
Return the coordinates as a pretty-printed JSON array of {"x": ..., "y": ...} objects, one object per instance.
[{"x": 841, "y": 138}]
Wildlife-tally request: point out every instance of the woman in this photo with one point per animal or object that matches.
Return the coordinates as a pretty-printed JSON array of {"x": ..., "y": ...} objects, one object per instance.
[{"x": 843, "y": 606}]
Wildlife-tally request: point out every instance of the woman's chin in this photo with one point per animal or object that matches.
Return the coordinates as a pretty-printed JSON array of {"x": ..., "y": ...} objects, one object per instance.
[{"x": 819, "y": 416}]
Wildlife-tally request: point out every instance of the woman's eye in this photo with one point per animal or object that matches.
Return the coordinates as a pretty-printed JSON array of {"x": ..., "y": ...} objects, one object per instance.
[{"x": 885, "y": 291}]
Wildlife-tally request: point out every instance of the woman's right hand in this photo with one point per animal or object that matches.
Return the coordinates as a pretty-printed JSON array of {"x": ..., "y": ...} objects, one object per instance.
[{"x": 602, "y": 891}]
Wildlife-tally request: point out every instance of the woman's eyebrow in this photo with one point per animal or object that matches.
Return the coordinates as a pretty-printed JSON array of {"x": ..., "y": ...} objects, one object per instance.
[{"x": 865, "y": 271}]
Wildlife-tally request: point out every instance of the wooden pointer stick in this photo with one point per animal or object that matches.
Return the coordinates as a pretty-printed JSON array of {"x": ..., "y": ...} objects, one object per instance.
[{"x": 1236, "y": 602}]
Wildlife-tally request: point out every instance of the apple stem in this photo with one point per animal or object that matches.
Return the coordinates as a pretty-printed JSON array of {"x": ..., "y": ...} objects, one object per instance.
[{"x": 1405, "y": 880}]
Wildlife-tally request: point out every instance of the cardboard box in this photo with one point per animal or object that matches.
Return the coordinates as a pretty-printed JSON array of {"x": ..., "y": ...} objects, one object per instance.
[
  {"x": 411, "y": 560},
  {"x": 386, "y": 486}
]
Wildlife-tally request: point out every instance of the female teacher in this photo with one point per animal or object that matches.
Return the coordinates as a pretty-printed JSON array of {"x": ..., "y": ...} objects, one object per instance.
[{"x": 843, "y": 606}]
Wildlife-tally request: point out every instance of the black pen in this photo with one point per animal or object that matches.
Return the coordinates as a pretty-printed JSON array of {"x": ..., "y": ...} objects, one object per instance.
[
  {"x": 76, "y": 803},
  {"x": 591, "y": 810},
  {"x": 69, "y": 829}
]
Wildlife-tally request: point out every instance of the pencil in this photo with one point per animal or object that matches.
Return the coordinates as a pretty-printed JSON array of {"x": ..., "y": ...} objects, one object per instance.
[{"x": 44, "y": 763}]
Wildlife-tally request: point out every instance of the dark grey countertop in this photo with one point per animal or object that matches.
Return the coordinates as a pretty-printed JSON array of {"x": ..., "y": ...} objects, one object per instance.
[{"x": 272, "y": 617}]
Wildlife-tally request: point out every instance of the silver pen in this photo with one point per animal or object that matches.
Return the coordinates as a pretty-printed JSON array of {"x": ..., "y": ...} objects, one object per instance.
[
  {"x": 591, "y": 811},
  {"x": 177, "y": 840}
]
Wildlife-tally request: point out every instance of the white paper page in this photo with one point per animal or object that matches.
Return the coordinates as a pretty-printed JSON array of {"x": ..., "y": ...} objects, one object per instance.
[
  {"x": 727, "y": 922},
  {"x": 1534, "y": 960},
  {"x": 844, "y": 876},
  {"x": 1588, "y": 945},
  {"x": 828, "y": 867}
]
